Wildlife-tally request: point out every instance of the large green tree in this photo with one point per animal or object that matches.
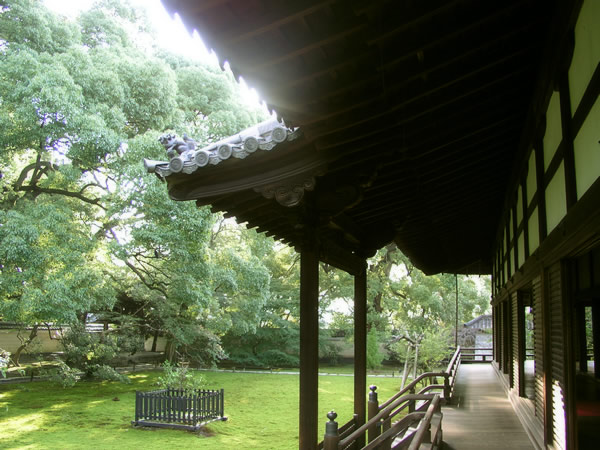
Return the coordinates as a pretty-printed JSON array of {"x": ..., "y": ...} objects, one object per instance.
[
  {"x": 84, "y": 232},
  {"x": 406, "y": 306}
]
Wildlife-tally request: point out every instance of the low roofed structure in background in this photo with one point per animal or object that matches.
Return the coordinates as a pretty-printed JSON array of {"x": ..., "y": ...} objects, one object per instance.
[{"x": 483, "y": 322}]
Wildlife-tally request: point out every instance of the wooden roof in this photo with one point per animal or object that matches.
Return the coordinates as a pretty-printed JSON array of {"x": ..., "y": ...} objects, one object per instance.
[{"x": 411, "y": 114}]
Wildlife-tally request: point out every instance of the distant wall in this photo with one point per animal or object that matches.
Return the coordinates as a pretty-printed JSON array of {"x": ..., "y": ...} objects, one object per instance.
[
  {"x": 161, "y": 343},
  {"x": 9, "y": 340}
]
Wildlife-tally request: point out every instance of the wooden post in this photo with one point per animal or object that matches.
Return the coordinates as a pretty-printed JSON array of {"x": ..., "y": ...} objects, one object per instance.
[
  {"x": 360, "y": 348},
  {"x": 332, "y": 437},
  {"x": 309, "y": 345},
  {"x": 375, "y": 429},
  {"x": 596, "y": 338},
  {"x": 447, "y": 393}
]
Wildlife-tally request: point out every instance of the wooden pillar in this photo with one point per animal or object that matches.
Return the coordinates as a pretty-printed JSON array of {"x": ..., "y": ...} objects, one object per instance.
[
  {"x": 360, "y": 347},
  {"x": 596, "y": 338},
  {"x": 309, "y": 345}
]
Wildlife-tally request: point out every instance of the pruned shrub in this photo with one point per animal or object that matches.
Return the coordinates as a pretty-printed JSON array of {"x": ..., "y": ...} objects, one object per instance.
[
  {"x": 179, "y": 377},
  {"x": 91, "y": 353},
  {"x": 277, "y": 358},
  {"x": 64, "y": 375}
]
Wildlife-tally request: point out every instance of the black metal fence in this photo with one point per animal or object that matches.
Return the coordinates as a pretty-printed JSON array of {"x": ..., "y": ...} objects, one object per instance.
[{"x": 175, "y": 408}]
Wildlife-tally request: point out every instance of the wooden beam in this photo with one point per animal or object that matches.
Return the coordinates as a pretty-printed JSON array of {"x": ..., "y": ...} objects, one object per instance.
[
  {"x": 494, "y": 122},
  {"x": 306, "y": 47},
  {"x": 420, "y": 19},
  {"x": 323, "y": 92},
  {"x": 360, "y": 347},
  {"x": 568, "y": 146},
  {"x": 276, "y": 20},
  {"x": 341, "y": 258},
  {"x": 309, "y": 344},
  {"x": 372, "y": 122},
  {"x": 369, "y": 108}
]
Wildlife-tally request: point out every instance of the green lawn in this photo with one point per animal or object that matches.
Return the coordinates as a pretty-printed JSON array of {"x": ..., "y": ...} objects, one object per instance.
[{"x": 262, "y": 411}]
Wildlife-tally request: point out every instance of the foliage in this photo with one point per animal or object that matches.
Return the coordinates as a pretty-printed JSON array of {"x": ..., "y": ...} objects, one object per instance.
[
  {"x": 84, "y": 232},
  {"x": 179, "y": 377},
  {"x": 64, "y": 375},
  {"x": 374, "y": 354},
  {"x": 404, "y": 302},
  {"x": 266, "y": 318},
  {"x": 434, "y": 349},
  {"x": 91, "y": 353},
  {"x": 4, "y": 361},
  {"x": 277, "y": 358}
]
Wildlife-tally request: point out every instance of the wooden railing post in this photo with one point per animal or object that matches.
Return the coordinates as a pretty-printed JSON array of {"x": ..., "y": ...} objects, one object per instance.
[
  {"x": 447, "y": 392},
  {"x": 373, "y": 409},
  {"x": 332, "y": 437},
  {"x": 411, "y": 402}
]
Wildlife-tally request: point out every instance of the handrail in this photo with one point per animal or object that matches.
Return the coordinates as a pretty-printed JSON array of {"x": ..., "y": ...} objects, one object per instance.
[
  {"x": 384, "y": 413},
  {"x": 424, "y": 426},
  {"x": 454, "y": 360},
  {"x": 446, "y": 374},
  {"x": 380, "y": 428},
  {"x": 402, "y": 424},
  {"x": 411, "y": 386}
]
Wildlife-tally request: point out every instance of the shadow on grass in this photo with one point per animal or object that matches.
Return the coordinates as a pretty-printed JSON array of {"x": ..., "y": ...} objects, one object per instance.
[
  {"x": 35, "y": 406},
  {"x": 262, "y": 412}
]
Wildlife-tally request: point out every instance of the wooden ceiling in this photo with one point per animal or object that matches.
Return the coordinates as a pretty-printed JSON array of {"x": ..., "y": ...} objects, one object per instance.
[{"x": 415, "y": 108}]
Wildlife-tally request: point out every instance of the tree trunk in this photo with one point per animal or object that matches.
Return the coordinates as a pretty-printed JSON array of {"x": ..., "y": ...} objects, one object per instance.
[
  {"x": 154, "y": 341},
  {"x": 170, "y": 351},
  {"x": 405, "y": 373},
  {"x": 416, "y": 361},
  {"x": 24, "y": 344}
]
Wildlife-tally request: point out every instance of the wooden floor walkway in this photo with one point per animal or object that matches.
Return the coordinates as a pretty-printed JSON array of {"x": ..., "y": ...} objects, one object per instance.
[{"x": 481, "y": 416}]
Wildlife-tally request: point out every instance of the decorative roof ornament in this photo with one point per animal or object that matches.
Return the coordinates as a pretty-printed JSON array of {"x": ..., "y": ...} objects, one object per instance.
[
  {"x": 185, "y": 157},
  {"x": 290, "y": 192}
]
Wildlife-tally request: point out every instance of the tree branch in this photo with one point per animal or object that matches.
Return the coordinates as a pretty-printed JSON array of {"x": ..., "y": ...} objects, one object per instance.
[
  {"x": 22, "y": 177},
  {"x": 146, "y": 283},
  {"x": 83, "y": 198}
]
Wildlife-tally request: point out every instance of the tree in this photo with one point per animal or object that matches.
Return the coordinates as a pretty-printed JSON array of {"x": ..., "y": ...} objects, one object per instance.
[
  {"x": 409, "y": 307},
  {"x": 84, "y": 232},
  {"x": 265, "y": 329}
]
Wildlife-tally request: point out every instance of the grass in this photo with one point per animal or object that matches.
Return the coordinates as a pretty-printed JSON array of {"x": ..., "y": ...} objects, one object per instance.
[{"x": 262, "y": 411}]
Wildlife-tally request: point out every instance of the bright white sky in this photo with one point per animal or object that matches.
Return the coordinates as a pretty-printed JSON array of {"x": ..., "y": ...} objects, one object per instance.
[{"x": 170, "y": 31}]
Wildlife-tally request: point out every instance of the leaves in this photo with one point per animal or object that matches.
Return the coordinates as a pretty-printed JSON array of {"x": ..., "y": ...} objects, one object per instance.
[
  {"x": 83, "y": 230},
  {"x": 86, "y": 233}
]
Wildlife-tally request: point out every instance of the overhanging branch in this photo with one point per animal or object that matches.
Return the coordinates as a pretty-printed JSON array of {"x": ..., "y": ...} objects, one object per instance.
[{"x": 54, "y": 191}]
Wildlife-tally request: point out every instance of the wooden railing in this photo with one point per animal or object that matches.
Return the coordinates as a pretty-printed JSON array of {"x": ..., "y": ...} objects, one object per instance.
[
  {"x": 422, "y": 423},
  {"x": 485, "y": 354},
  {"x": 477, "y": 355}
]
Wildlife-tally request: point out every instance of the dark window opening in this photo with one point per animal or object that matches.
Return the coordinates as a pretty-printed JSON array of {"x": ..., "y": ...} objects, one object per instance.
[
  {"x": 586, "y": 333},
  {"x": 526, "y": 346}
]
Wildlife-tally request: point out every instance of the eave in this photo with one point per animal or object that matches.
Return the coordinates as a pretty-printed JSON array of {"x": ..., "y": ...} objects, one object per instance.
[{"x": 416, "y": 111}]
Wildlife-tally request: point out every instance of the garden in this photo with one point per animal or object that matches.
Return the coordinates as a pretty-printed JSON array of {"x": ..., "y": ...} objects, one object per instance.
[{"x": 262, "y": 412}]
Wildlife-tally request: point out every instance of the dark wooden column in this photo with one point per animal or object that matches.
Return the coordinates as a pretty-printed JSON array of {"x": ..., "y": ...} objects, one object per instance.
[
  {"x": 309, "y": 345},
  {"x": 360, "y": 346}
]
